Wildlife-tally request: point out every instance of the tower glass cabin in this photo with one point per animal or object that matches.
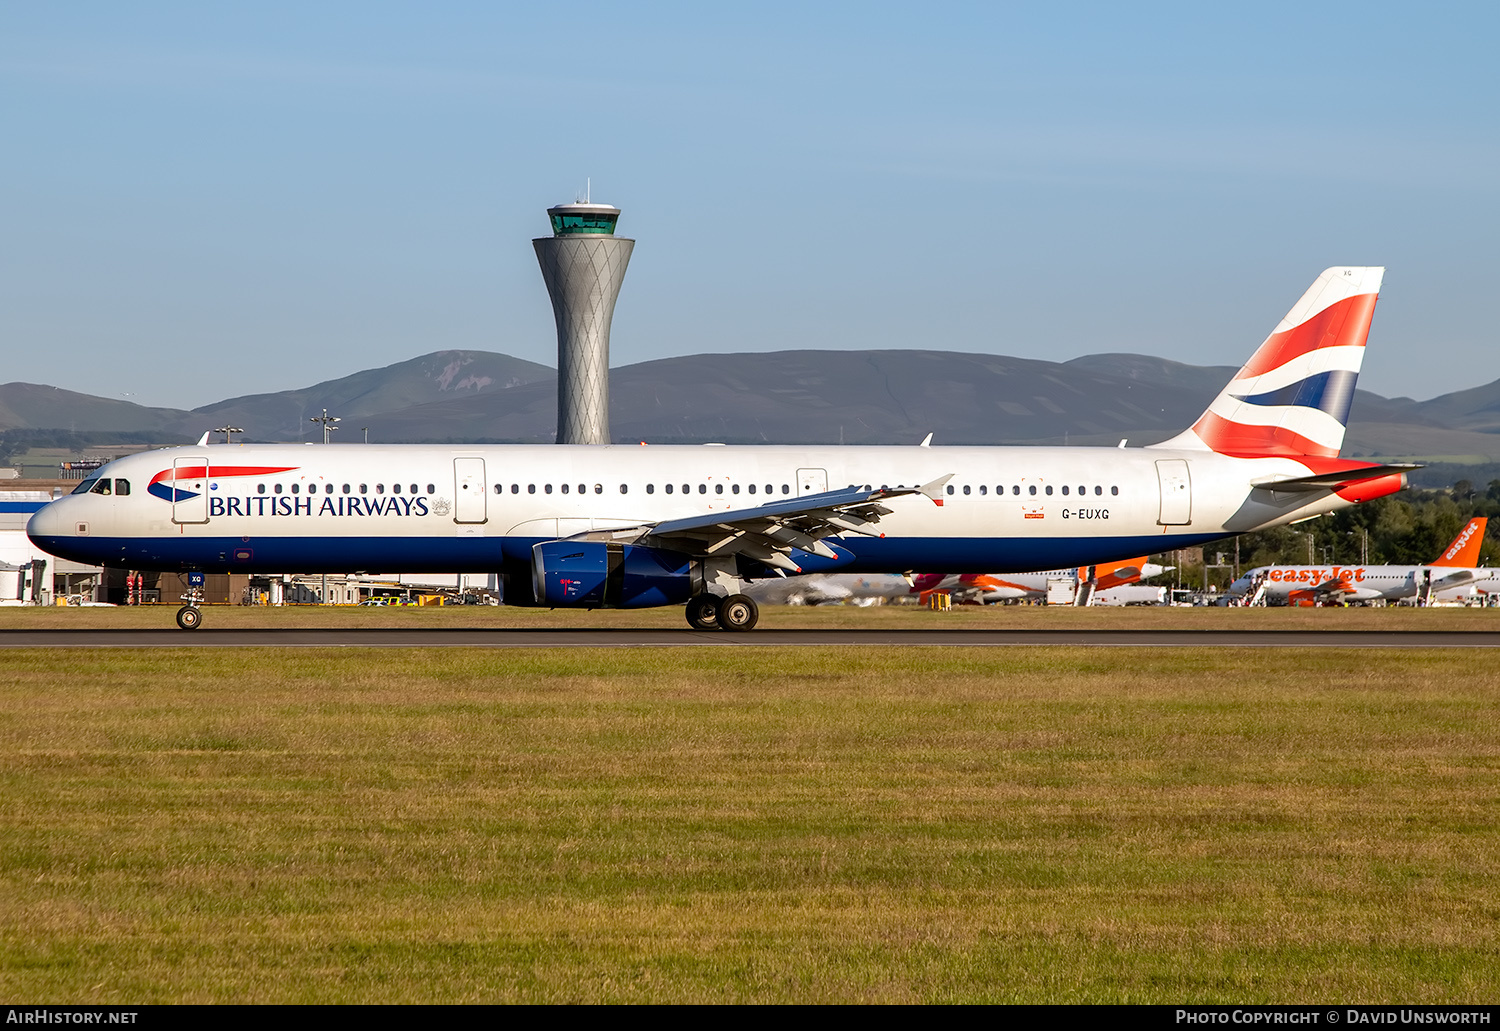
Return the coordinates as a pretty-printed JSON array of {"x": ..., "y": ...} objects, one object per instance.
[{"x": 592, "y": 219}]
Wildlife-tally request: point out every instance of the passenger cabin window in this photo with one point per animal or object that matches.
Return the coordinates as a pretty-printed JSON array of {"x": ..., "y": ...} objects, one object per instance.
[
  {"x": 260, "y": 488},
  {"x": 547, "y": 488},
  {"x": 565, "y": 488},
  {"x": 395, "y": 488},
  {"x": 379, "y": 488},
  {"x": 531, "y": 488},
  {"x": 650, "y": 488},
  {"x": 1065, "y": 489},
  {"x": 598, "y": 488},
  {"x": 364, "y": 488},
  {"x": 122, "y": 488},
  {"x": 718, "y": 488},
  {"x": 1114, "y": 490},
  {"x": 1031, "y": 489},
  {"x": 296, "y": 487},
  {"x": 735, "y": 489},
  {"x": 950, "y": 488},
  {"x": 346, "y": 488},
  {"x": 276, "y": 489},
  {"x": 667, "y": 488},
  {"x": 432, "y": 489},
  {"x": 414, "y": 488},
  {"x": 85, "y": 486},
  {"x": 624, "y": 489}
]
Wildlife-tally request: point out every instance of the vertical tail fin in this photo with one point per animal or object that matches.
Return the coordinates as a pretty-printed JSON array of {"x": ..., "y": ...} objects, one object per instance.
[
  {"x": 1292, "y": 397},
  {"x": 1464, "y": 551}
]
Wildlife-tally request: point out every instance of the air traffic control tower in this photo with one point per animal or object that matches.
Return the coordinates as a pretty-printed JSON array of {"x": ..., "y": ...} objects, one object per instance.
[{"x": 583, "y": 263}]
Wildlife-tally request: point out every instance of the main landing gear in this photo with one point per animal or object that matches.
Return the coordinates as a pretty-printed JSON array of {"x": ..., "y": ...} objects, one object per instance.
[{"x": 709, "y": 612}]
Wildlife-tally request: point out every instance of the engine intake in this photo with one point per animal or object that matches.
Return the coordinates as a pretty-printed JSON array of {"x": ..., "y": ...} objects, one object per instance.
[{"x": 598, "y": 575}]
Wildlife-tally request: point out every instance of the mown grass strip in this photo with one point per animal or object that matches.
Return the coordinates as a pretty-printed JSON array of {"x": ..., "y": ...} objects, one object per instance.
[{"x": 821, "y": 825}]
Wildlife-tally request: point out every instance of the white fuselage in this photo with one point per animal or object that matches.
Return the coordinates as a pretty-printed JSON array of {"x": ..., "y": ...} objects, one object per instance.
[{"x": 287, "y": 508}]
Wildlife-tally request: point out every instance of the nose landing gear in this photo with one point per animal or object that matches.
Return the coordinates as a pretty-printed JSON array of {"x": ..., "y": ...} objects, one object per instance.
[{"x": 190, "y": 616}]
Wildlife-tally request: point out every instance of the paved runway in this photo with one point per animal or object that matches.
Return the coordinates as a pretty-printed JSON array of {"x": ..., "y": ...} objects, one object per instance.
[{"x": 566, "y": 638}]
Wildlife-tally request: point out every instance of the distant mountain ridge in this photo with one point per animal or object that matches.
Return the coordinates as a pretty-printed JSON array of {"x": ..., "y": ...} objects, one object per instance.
[{"x": 851, "y": 397}]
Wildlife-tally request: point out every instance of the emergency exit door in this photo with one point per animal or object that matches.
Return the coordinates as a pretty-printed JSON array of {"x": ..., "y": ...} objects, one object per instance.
[
  {"x": 811, "y": 481},
  {"x": 468, "y": 490}
]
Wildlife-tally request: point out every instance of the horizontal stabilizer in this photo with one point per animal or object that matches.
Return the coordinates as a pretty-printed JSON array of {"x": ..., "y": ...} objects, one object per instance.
[{"x": 1328, "y": 481}]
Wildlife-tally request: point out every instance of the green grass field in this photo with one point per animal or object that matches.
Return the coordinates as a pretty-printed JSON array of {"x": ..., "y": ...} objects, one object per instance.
[{"x": 807, "y": 825}]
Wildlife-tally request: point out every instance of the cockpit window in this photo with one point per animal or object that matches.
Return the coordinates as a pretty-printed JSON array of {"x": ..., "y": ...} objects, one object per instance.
[
  {"x": 85, "y": 486},
  {"x": 100, "y": 487},
  {"x": 122, "y": 488}
]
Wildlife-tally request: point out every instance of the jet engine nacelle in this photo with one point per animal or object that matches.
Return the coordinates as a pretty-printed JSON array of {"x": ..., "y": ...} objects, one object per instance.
[{"x": 595, "y": 574}]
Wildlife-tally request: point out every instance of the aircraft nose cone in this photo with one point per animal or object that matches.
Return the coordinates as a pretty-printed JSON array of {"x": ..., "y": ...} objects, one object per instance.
[{"x": 44, "y": 522}]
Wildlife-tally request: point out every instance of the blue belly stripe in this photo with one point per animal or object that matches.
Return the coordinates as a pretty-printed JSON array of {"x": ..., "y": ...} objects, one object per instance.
[{"x": 513, "y": 554}]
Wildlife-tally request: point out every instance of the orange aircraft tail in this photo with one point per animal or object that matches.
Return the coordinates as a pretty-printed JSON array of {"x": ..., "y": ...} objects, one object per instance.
[{"x": 1464, "y": 551}]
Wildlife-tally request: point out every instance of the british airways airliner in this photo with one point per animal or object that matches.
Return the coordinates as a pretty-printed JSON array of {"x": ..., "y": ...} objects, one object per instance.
[{"x": 638, "y": 526}]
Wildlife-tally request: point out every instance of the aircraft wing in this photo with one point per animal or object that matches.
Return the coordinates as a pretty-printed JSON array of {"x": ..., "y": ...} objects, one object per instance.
[
  {"x": 769, "y": 533},
  {"x": 1457, "y": 578}
]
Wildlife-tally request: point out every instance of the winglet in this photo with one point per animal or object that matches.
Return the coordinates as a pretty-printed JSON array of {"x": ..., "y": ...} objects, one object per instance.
[
  {"x": 934, "y": 490},
  {"x": 926, "y": 441},
  {"x": 204, "y": 439}
]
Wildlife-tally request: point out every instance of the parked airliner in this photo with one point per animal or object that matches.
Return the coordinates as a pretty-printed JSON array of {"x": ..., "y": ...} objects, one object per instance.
[
  {"x": 989, "y": 588},
  {"x": 639, "y": 526},
  {"x": 1455, "y": 570}
]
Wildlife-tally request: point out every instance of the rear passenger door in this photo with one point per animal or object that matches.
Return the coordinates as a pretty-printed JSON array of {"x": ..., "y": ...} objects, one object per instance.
[{"x": 468, "y": 491}]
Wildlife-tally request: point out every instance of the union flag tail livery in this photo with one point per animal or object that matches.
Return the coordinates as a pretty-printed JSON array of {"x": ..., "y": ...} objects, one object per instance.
[
  {"x": 1292, "y": 398},
  {"x": 1464, "y": 551}
]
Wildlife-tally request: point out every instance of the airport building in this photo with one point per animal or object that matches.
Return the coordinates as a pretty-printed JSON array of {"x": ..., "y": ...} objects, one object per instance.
[{"x": 583, "y": 263}]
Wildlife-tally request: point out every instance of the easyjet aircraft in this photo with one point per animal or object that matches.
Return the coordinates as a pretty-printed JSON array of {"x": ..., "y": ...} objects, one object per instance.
[
  {"x": 1456, "y": 569},
  {"x": 620, "y": 526}
]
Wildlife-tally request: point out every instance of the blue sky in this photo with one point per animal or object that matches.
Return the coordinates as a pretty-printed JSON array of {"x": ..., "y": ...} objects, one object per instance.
[{"x": 203, "y": 200}]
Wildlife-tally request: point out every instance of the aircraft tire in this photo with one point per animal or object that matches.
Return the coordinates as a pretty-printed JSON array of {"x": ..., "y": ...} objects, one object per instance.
[
  {"x": 189, "y": 618},
  {"x": 703, "y": 612},
  {"x": 738, "y": 612}
]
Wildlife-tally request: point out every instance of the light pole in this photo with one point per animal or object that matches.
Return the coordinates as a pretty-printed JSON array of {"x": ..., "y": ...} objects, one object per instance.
[
  {"x": 1364, "y": 545},
  {"x": 227, "y": 430},
  {"x": 327, "y": 421}
]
